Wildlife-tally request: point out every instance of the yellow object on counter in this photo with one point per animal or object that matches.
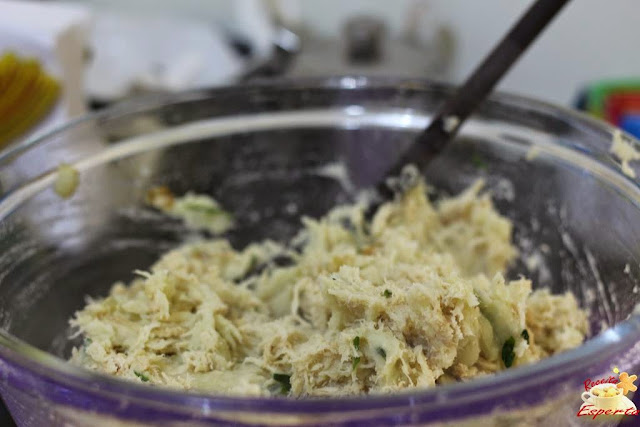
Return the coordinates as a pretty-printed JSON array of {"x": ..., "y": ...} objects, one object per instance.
[{"x": 27, "y": 95}]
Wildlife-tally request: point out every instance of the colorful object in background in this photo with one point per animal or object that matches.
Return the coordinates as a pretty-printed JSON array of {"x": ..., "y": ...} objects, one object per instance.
[
  {"x": 27, "y": 95},
  {"x": 616, "y": 101}
]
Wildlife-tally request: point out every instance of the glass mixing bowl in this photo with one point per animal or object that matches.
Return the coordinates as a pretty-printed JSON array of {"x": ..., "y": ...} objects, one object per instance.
[{"x": 270, "y": 153}]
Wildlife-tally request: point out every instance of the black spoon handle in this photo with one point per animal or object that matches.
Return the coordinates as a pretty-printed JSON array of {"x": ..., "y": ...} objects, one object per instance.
[{"x": 475, "y": 89}]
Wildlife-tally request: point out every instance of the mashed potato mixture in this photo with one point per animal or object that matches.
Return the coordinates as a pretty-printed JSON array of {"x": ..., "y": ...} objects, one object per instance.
[{"x": 415, "y": 297}]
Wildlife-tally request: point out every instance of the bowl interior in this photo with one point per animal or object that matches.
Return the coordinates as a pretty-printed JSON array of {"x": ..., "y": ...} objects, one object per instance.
[{"x": 577, "y": 221}]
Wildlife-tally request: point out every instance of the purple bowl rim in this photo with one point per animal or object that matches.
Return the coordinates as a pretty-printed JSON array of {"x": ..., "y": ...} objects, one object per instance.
[
  {"x": 599, "y": 348},
  {"x": 594, "y": 352}
]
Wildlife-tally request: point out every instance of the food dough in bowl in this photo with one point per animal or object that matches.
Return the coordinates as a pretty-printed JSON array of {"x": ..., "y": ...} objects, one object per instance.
[{"x": 415, "y": 297}]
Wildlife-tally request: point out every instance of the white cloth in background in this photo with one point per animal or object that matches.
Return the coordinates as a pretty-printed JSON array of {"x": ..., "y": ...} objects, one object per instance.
[{"x": 156, "y": 53}]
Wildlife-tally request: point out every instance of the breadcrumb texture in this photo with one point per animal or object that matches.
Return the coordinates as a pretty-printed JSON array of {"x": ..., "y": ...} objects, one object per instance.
[{"x": 414, "y": 298}]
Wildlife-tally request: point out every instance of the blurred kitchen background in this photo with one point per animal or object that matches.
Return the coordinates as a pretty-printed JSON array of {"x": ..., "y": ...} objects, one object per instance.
[{"x": 93, "y": 53}]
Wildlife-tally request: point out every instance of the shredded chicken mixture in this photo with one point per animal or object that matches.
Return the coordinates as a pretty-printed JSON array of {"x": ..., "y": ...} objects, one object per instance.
[{"x": 414, "y": 298}]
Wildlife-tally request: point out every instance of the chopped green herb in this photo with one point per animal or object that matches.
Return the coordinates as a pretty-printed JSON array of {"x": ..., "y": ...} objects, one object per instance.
[
  {"x": 381, "y": 352},
  {"x": 525, "y": 335},
  {"x": 478, "y": 161},
  {"x": 356, "y": 343},
  {"x": 204, "y": 208},
  {"x": 253, "y": 263},
  {"x": 508, "y": 355},
  {"x": 354, "y": 364},
  {"x": 285, "y": 382},
  {"x": 142, "y": 376},
  {"x": 387, "y": 293},
  {"x": 348, "y": 225}
]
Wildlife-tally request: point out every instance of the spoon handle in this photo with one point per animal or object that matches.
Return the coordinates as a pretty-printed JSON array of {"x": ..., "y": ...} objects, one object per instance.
[{"x": 455, "y": 110}]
